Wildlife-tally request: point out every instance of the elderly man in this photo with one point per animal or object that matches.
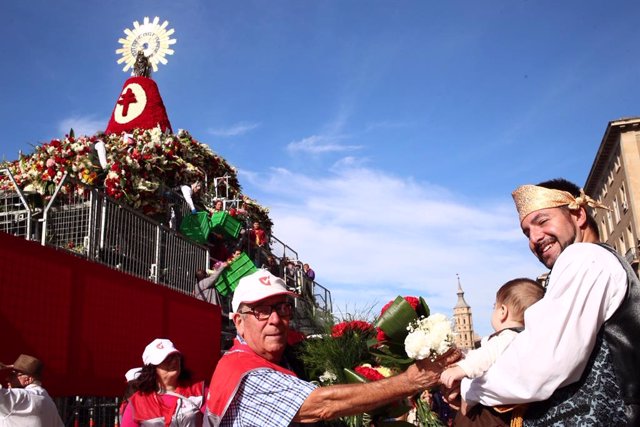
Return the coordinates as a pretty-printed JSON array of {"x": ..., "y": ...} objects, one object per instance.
[
  {"x": 251, "y": 385},
  {"x": 25, "y": 402},
  {"x": 578, "y": 355}
]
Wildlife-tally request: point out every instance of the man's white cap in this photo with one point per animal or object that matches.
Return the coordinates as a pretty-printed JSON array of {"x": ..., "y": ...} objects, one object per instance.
[
  {"x": 132, "y": 374},
  {"x": 258, "y": 286},
  {"x": 157, "y": 351}
]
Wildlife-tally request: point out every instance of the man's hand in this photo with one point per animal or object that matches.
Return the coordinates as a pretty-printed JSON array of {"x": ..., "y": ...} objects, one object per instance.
[
  {"x": 450, "y": 357},
  {"x": 428, "y": 371}
]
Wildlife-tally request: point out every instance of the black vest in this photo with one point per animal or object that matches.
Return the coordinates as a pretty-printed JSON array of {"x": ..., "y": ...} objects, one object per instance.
[{"x": 622, "y": 333}]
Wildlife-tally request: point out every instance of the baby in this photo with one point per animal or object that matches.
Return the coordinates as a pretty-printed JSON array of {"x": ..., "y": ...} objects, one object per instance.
[{"x": 512, "y": 299}]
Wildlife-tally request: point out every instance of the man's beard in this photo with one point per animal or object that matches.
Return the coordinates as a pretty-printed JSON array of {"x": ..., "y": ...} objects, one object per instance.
[{"x": 539, "y": 247}]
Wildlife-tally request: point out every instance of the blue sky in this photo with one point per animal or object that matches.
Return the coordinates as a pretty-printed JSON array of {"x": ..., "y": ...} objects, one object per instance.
[{"x": 385, "y": 136}]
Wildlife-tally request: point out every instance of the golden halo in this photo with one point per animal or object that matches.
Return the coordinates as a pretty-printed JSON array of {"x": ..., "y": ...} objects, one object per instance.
[{"x": 150, "y": 37}]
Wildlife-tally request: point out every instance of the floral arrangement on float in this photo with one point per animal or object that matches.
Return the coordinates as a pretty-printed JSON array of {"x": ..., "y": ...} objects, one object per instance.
[
  {"x": 358, "y": 351},
  {"x": 139, "y": 166}
]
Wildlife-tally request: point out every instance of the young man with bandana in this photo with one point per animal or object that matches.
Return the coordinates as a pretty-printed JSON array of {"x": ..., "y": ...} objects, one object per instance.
[{"x": 577, "y": 357}]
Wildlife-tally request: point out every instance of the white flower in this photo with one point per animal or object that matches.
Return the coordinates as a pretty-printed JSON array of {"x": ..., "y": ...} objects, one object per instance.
[
  {"x": 327, "y": 377},
  {"x": 429, "y": 337}
]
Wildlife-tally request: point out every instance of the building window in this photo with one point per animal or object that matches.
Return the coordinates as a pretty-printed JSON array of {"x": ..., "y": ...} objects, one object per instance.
[
  {"x": 617, "y": 164},
  {"x": 630, "y": 237},
  {"x": 623, "y": 246},
  {"x": 609, "y": 220},
  {"x": 616, "y": 210},
  {"x": 603, "y": 230},
  {"x": 623, "y": 199}
]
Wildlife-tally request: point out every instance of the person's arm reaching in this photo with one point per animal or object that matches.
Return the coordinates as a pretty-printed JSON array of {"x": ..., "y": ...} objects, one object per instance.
[{"x": 326, "y": 403}]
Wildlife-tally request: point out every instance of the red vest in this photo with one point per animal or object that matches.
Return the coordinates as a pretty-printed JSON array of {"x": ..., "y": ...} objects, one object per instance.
[
  {"x": 231, "y": 369},
  {"x": 150, "y": 406}
]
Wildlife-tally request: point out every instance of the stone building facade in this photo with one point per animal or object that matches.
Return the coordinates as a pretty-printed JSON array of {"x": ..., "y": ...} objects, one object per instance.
[{"x": 614, "y": 180}]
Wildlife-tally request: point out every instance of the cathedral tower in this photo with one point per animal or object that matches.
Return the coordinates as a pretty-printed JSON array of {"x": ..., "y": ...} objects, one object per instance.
[{"x": 463, "y": 321}]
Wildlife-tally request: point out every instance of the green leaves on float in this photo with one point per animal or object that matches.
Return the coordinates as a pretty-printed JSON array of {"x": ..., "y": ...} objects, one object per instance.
[{"x": 353, "y": 377}]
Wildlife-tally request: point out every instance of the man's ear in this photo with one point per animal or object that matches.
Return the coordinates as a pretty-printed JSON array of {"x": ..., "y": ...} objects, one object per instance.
[
  {"x": 580, "y": 216},
  {"x": 239, "y": 322}
]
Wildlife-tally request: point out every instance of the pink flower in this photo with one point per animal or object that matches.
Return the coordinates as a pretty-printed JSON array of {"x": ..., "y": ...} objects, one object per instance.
[{"x": 51, "y": 163}]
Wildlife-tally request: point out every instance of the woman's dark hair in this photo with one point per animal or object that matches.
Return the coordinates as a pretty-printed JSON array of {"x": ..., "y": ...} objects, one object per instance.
[{"x": 147, "y": 381}]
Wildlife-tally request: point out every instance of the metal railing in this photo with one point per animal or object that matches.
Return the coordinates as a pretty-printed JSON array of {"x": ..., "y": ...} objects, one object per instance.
[
  {"x": 15, "y": 212},
  {"x": 87, "y": 223},
  {"x": 84, "y": 221},
  {"x": 90, "y": 411}
]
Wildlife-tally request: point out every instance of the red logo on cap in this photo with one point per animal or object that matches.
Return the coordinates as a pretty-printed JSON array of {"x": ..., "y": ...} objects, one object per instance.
[
  {"x": 265, "y": 281},
  {"x": 159, "y": 345}
]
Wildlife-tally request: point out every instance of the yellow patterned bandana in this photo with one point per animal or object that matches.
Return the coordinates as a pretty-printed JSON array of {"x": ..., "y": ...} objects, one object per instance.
[{"x": 531, "y": 198}]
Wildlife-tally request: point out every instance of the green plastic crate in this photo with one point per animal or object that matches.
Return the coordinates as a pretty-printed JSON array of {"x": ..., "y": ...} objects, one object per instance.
[
  {"x": 196, "y": 227},
  {"x": 222, "y": 222},
  {"x": 228, "y": 280}
]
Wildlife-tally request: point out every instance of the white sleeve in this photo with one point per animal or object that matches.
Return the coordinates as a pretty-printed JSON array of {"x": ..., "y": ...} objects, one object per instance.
[
  {"x": 477, "y": 361},
  {"x": 17, "y": 401},
  {"x": 587, "y": 285},
  {"x": 186, "y": 193}
]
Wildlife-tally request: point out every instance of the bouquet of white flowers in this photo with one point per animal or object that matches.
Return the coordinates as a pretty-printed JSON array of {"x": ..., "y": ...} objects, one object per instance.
[{"x": 430, "y": 337}]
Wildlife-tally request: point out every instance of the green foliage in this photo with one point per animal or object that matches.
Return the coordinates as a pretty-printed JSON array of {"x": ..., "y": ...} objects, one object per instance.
[{"x": 325, "y": 353}]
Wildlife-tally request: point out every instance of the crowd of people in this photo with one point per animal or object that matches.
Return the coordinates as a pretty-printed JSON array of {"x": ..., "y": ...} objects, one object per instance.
[{"x": 568, "y": 357}]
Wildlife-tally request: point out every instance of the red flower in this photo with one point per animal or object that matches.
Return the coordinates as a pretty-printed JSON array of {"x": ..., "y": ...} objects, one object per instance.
[
  {"x": 294, "y": 337},
  {"x": 413, "y": 301},
  {"x": 355, "y": 325},
  {"x": 369, "y": 373}
]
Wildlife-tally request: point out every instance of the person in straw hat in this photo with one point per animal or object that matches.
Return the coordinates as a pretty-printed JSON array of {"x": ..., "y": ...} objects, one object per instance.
[
  {"x": 578, "y": 356},
  {"x": 253, "y": 385},
  {"x": 23, "y": 401}
]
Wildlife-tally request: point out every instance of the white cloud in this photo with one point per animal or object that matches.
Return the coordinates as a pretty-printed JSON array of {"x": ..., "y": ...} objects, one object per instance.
[
  {"x": 82, "y": 125},
  {"x": 370, "y": 236},
  {"x": 237, "y": 129},
  {"x": 317, "y": 144}
]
